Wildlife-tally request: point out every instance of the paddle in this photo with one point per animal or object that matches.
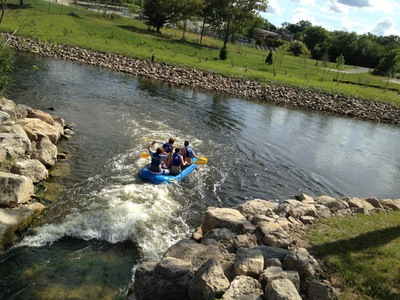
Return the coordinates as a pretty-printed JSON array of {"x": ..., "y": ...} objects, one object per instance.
[{"x": 200, "y": 161}]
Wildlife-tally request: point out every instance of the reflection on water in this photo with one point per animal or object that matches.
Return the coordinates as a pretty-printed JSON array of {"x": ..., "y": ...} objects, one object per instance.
[{"x": 106, "y": 214}]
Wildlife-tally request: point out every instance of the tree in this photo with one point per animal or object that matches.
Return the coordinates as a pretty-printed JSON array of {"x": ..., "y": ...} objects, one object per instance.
[
  {"x": 188, "y": 9},
  {"x": 3, "y": 9},
  {"x": 316, "y": 37},
  {"x": 389, "y": 65},
  {"x": 298, "y": 48},
  {"x": 298, "y": 29},
  {"x": 159, "y": 12},
  {"x": 6, "y": 66},
  {"x": 232, "y": 15}
]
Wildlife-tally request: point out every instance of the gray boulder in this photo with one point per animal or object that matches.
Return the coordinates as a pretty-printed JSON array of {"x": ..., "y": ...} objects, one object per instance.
[
  {"x": 31, "y": 168},
  {"x": 15, "y": 189},
  {"x": 208, "y": 281}
]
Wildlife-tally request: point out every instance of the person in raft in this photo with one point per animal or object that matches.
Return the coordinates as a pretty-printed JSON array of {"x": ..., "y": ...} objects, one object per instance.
[
  {"x": 177, "y": 162},
  {"x": 169, "y": 147},
  {"x": 188, "y": 153},
  {"x": 157, "y": 159}
]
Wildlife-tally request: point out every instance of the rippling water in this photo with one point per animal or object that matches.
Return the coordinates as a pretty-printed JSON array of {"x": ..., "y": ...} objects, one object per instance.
[{"x": 106, "y": 218}]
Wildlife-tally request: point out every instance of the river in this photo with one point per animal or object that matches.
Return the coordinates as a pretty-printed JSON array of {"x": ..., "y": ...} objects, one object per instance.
[{"x": 106, "y": 219}]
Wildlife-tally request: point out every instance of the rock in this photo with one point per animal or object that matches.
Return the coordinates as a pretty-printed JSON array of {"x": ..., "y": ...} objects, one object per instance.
[
  {"x": 255, "y": 207},
  {"x": 14, "y": 141},
  {"x": 198, "y": 254},
  {"x": 245, "y": 240},
  {"x": 301, "y": 261},
  {"x": 272, "y": 252},
  {"x": 391, "y": 204},
  {"x": 374, "y": 202},
  {"x": 244, "y": 288},
  {"x": 38, "y": 114},
  {"x": 45, "y": 152},
  {"x": 357, "y": 203},
  {"x": 38, "y": 128},
  {"x": 15, "y": 189},
  {"x": 168, "y": 280},
  {"x": 249, "y": 262},
  {"x": 304, "y": 198},
  {"x": 3, "y": 154},
  {"x": 321, "y": 291},
  {"x": 226, "y": 218},
  {"x": 16, "y": 219},
  {"x": 208, "y": 281},
  {"x": 31, "y": 168},
  {"x": 276, "y": 272},
  {"x": 220, "y": 234},
  {"x": 280, "y": 289}
]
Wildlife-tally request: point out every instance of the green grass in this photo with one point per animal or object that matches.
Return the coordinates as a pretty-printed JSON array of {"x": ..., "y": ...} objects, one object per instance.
[
  {"x": 59, "y": 24},
  {"x": 363, "y": 252}
]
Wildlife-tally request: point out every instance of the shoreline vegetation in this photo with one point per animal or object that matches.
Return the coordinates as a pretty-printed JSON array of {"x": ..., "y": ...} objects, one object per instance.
[{"x": 294, "y": 97}]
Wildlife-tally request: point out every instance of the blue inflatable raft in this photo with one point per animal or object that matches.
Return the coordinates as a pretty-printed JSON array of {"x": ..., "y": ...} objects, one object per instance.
[{"x": 155, "y": 178}]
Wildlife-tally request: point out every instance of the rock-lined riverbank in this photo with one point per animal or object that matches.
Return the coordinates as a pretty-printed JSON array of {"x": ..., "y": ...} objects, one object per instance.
[
  {"x": 252, "y": 252},
  {"x": 28, "y": 140},
  {"x": 280, "y": 95}
]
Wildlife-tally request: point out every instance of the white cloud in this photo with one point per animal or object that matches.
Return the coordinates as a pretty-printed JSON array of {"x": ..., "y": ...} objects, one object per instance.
[
  {"x": 334, "y": 6},
  {"x": 356, "y": 3},
  {"x": 274, "y": 8},
  {"x": 300, "y": 14},
  {"x": 384, "y": 27}
]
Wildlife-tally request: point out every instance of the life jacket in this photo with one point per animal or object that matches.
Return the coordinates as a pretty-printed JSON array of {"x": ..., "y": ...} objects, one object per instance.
[
  {"x": 189, "y": 152},
  {"x": 155, "y": 165},
  {"x": 167, "y": 147},
  {"x": 176, "y": 160}
]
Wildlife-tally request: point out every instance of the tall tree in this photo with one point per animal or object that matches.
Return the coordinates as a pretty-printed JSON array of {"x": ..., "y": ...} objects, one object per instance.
[
  {"x": 315, "y": 38},
  {"x": 389, "y": 65},
  {"x": 231, "y": 15},
  {"x": 159, "y": 12},
  {"x": 189, "y": 9}
]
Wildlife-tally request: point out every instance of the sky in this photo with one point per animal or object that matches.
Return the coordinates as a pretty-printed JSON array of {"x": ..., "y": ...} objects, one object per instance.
[{"x": 379, "y": 17}]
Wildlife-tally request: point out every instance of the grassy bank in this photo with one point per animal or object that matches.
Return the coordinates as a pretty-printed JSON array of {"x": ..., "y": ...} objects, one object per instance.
[
  {"x": 363, "y": 252},
  {"x": 80, "y": 27}
]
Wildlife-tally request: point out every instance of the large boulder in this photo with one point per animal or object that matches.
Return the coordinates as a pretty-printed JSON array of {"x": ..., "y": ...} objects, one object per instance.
[
  {"x": 280, "y": 289},
  {"x": 14, "y": 219},
  {"x": 14, "y": 141},
  {"x": 244, "y": 288},
  {"x": 249, "y": 262},
  {"x": 302, "y": 261},
  {"x": 45, "y": 152},
  {"x": 31, "y": 168},
  {"x": 168, "y": 279},
  {"x": 256, "y": 206},
  {"x": 15, "y": 189},
  {"x": 208, "y": 281},
  {"x": 38, "y": 114},
  {"x": 229, "y": 218},
  {"x": 36, "y": 129}
]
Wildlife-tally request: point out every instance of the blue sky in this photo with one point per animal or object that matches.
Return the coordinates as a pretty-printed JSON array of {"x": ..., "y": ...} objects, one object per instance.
[{"x": 379, "y": 17}]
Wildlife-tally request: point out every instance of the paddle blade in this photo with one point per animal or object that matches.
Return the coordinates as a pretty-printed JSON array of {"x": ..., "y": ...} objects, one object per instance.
[
  {"x": 201, "y": 161},
  {"x": 144, "y": 155}
]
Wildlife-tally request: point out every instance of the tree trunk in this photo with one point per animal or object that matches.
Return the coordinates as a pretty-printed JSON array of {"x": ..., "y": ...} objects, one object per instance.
[
  {"x": 184, "y": 29},
  {"x": 202, "y": 29}
]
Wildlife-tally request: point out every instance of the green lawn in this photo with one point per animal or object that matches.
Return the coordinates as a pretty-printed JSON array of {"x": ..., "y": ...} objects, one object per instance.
[
  {"x": 363, "y": 252},
  {"x": 61, "y": 24}
]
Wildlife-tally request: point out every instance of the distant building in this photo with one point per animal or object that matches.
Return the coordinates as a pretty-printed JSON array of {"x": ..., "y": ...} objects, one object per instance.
[{"x": 271, "y": 35}]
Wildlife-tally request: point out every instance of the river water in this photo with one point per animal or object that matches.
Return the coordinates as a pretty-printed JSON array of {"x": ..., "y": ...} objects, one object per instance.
[{"x": 106, "y": 219}]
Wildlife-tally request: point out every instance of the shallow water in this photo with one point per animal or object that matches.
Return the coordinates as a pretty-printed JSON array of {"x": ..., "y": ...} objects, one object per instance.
[{"x": 106, "y": 219}]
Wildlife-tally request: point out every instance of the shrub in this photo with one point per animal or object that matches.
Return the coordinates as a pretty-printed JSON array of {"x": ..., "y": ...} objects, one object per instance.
[{"x": 6, "y": 67}]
